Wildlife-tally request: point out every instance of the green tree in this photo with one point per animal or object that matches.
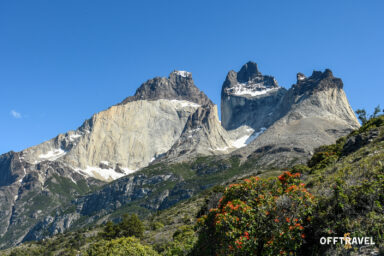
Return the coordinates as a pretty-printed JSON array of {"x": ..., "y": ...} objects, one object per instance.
[
  {"x": 362, "y": 115},
  {"x": 183, "y": 242},
  {"x": 111, "y": 230},
  {"x": 130, "y": 225},
  {"x": 376, "y": 111}
]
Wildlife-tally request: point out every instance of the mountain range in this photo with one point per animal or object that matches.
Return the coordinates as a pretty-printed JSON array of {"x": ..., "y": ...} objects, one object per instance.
[{"x": 165, "y": 144}]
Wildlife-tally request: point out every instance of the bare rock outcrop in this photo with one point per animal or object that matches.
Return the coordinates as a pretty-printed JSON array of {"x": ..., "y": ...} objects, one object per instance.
[{"x": 315, "y": 111}]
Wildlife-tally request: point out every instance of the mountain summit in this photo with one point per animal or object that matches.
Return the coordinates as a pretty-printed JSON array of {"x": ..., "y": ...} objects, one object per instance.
[
  {"x": 178, "y": 86},
  {"x": 249, "y": 98},
  {"x": 130, "y": 135},
  {"x": 313, "y": 112}
]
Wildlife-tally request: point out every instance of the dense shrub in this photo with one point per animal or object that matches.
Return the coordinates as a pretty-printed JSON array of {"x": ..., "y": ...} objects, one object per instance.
[
  {"x": 182, "y": 243},
  {"x": 327, "y": 154},
  {"x": 257, "y": 217},
  {"x": 119, "y": 247},
  {"x": 129, "y": 226},
  {"x": 357, "y": 209}
]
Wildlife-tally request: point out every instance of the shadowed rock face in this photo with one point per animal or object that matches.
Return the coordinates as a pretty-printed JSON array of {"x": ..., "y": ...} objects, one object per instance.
[
  {"x": 249, "y": 98},
  {"x": 10, "y": 168}
]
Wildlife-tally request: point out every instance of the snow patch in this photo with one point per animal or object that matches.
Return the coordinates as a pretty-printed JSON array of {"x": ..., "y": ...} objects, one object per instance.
[
  {"x": 73, "y": 137},
  {"x": 104, "y": 174},
  {"x": 182, "y": 73},
  {"x": 251, "y": 88},
  {"x": 128, "y": 171},
  {"x": 245, "y": 140},
  {"x": 241, "y": 89},
  {"x": 194, "y": 130},
  {"x": 300, "y": 77},
  {"x": 52, "y": 155},
  {"x": 222, "y": 149}
]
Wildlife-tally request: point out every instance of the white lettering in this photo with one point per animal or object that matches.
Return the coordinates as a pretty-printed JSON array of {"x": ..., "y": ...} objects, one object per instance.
[{"x": 348, "y": 240}]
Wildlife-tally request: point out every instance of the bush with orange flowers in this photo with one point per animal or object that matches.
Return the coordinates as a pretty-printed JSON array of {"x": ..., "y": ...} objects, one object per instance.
[{"x": 257, "y": 217}]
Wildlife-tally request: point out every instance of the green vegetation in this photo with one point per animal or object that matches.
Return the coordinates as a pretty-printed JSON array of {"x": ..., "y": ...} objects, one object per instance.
[
  {"x": 129, "y": 226},
  {"x": 362, "y": 114},
  {"x": 182, "y": 243},
  {"x": 122, "y": 246},
  {"x": 347, "y": 182},
  {"x": 339, "y": 191}
]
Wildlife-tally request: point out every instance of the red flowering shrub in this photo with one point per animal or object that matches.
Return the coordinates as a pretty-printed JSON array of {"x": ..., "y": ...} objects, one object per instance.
[{"x": 257, "y": 217}]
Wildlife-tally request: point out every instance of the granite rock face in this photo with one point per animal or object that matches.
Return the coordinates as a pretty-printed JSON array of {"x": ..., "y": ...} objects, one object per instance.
[
  {"x": 314, "y": 112},
  {"x": 203, "y": 135},
  {"x": 130, "y": 135},
  {"x": 109, "y": 145},
  {"x": 250, "y": 98}
]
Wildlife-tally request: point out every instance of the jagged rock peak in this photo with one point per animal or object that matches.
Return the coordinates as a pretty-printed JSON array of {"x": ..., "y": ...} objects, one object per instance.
[
  {"x": 180, "y": 73},
  {"x": 202, "y": 115},
  {"x": 318, "y": 81},
  {"x": 178, "y": 86},
  {"x": 248, "y": 82},
  {"x": 300, "y": 77},
  {"x": 247, "y": 72}
]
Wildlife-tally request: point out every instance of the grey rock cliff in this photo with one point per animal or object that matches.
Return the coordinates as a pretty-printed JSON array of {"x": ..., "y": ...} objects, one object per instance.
[
  {"x": 203, "y": 135},
  {"x": 315, "y": 111},
  {"x": 250, "y": 98},
  {"x": 33, "y": 191}
]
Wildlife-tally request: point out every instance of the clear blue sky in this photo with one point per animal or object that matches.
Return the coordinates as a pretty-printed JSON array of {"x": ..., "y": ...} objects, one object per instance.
[{"x": 62, "y": 61}]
